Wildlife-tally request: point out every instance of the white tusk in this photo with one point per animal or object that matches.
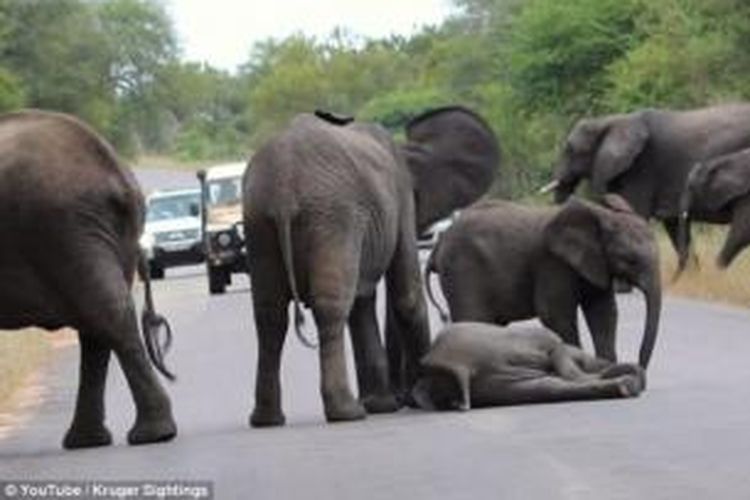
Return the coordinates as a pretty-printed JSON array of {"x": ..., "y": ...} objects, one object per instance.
[{"x": 549, "y": 187}]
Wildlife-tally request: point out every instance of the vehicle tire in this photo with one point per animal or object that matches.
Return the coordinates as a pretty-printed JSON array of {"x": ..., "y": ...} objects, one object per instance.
[
  {"x": 155, "y": 271},
  {"x": 217, "y": 280}
]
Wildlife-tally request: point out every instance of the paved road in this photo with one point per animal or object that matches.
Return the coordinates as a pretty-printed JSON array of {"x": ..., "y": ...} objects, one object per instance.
[{"x": 686, "y": 437}]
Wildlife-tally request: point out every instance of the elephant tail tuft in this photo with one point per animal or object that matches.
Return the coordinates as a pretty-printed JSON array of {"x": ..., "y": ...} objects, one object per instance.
[
  {"x": 430, "y": 269},
  {"x": 285, "y": 243},
  {"x": 153, "y": 324}
]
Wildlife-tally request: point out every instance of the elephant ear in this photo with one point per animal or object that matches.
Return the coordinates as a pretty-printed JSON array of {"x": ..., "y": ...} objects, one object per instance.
[
  {"x": 727, "y": 179},
  {"x": 575, "y": 236},
  {"x": 453, "y": 157},
  {"x": 623, "y": 141}
]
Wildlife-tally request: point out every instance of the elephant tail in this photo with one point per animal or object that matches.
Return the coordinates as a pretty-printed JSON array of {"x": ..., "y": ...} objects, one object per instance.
[
  {"x": 285, "y": 243},
  {"x": 152, "y": 323},
  {"x": 430, "y": 269}
]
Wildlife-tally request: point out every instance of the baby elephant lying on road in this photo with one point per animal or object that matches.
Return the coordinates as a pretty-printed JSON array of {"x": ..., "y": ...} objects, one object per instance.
[{"x": 478, "y": 364}]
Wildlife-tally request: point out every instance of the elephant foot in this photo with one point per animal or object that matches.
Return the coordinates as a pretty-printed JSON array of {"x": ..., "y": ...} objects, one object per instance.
[
  {"x": 381, "y": 403},
  {"x": 152, "y": 431},
  {"x": 344, "y": 410},
  {"x": 621, "y": 369},
  {"x": 78, "y": 437},
  {"x": 263, "y": 417},
  {"x": 629, "y": 386}
]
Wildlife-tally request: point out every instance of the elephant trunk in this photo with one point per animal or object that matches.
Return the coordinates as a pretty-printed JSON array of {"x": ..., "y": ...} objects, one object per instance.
[
  {"x": 683, "y": 231},
  {"x": 565, "y": 184},
  {"x": 651, "y": 288}
]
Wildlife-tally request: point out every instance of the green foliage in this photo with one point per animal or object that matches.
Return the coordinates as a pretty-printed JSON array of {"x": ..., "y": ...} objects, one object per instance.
[
  {"x": 530, "y": 67},
  {"x": 11, "y": 92},
  {"x": 558, "y": 51}
]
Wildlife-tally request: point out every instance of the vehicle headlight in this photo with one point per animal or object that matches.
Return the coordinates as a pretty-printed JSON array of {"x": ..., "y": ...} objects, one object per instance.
[
  {"x": 146, "y": 241},
  {"x": 224, "y": 240}
]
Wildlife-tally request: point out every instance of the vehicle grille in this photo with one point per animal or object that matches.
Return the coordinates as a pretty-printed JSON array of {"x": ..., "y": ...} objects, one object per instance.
[{"x": 170, "y": 236}]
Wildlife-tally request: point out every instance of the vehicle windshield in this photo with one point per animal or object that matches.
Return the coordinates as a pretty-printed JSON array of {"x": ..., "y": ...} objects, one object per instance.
[
  {"x": 173, "y": 207},
  {"x": 224, "y": 191}
]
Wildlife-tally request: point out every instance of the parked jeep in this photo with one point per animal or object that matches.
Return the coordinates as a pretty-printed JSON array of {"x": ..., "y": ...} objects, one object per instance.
[{"x": 221, "y": 217}]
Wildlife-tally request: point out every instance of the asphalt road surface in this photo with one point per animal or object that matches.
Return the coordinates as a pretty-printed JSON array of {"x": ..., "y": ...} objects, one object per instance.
[{"x": 686, "y": 437}]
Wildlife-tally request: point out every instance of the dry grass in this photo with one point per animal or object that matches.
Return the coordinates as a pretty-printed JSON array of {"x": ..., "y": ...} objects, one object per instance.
[
  {"x": 707, "y": 281},
  {"x": 22, "y": 352}
]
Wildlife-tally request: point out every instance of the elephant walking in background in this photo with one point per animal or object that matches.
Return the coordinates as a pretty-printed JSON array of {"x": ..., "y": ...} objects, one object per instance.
[
  {"x": 478, "y": 365},
  {"x": 330, "y": 208},
  {"x": 646, "y": 156},
  {"x": 718, "y": 190},
  {"x": 70, "y": 217},
  {"x": 502, "y": 262}
]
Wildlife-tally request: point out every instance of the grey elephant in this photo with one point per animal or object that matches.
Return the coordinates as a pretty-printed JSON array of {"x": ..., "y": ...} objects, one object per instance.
[
  {"x": 646, "y": 156},
  {"x": 71, "y": 214},
  {"x": 331, "y": 207},
  {"x": 502, "y": 262},
  {"x": 474, "y": 365},
  {"x": 718, "y": 191}
]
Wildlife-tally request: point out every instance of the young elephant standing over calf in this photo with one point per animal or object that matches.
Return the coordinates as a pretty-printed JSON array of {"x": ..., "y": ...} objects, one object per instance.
[
  {"x": 502, "y": 262},
  {"x": 330, "y": 208},
  {"x": 70, "y": 217},
  {"x": 476, "y": 365}
]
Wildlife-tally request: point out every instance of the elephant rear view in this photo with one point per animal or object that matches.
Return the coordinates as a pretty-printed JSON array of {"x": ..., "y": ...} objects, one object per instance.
[
  {"x": 329, "y": 210},
  {"x": 71, "y": 214},
  {"x": 502, "y": 262}
]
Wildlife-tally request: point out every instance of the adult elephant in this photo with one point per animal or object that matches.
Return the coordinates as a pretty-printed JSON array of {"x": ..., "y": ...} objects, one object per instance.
[
  {"x": 70, "y": 217},
  {"x": 502, "y": 262},
  {"x": 478, "y": 364},
  {"x": 718, "y": 191},
  {"x": 330, "y": 208},
  {"x": 646, "y": 156}
]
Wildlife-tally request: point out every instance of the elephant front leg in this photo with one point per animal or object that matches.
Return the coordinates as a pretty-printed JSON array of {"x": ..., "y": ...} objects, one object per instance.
[
  {"x": 738, "y": 236},
  {"x": 600, "y": 311},
  {"x": 87, "y": 428},
  {"x": 556, "y": 303},
  {"x": 370, "y": 358},
  {"x": 407, "y": 315}
]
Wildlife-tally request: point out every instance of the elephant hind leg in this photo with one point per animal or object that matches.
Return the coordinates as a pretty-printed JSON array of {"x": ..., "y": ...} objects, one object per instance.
[
  {"x": 88, "y": 429},
  {"x": 497, "y": 391},
  {"x": 109, "y": 318},
  {"x": 334, "y": 277},
  {"x": 370, "y": 358}
]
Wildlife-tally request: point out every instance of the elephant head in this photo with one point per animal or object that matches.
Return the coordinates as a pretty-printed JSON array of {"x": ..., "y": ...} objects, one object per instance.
[
  {"x": 712, "y": 187},
  {"x": 600, "y": 150},
  {"x": 606, "y": 242},
  {"x": 453, "y": 156}
]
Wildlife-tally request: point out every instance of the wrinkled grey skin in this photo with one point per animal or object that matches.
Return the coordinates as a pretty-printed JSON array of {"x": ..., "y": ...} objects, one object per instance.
[
  {"x": 329, "y": 210},
  {"x": 70, "y": 217},
  {"x": 502, "y": 262},
  {"x": 646, "y": 156},
  {"x": 718, "y": 190},
  {"x": 473, "y": 365}
]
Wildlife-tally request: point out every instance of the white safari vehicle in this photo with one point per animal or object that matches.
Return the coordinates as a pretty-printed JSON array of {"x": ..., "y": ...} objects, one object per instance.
[
  {"x": 172, "y": 235},
  {"x": 223, "y": 234}
]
